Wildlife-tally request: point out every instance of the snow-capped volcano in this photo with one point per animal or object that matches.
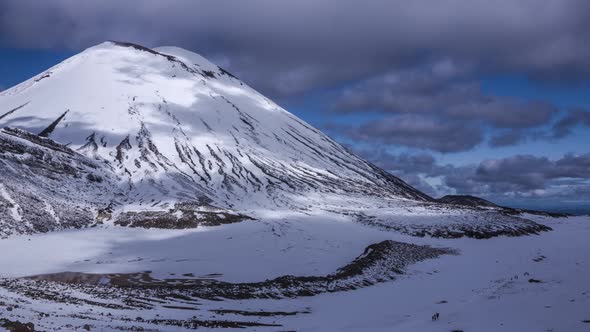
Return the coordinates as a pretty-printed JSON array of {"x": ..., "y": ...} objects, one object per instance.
[
  {"x": 164, "y": 138},
  {"x": 169, "y": 126}
]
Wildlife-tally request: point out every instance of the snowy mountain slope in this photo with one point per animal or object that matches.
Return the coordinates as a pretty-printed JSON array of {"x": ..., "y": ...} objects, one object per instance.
[
  {"x": 38, "y": 179},
  {"x": 176, "y": 135},
  {"x": 483, "y": 288},
  {"x": 176, "y": 127},
  {"x": 466, "y": 200}
]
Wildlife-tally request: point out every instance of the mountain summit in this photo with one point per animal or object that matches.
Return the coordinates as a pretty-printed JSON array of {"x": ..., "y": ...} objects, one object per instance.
[{"x": 164, "y": 138}]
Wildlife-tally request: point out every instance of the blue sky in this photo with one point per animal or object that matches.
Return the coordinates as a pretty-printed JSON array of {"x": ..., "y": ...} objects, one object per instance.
[
  {"x": 17, "y": 65},
  {"x": 461, "y": 97}
]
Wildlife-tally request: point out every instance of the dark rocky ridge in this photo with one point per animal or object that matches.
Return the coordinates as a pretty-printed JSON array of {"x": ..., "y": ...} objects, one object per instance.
[
  {"x": 379, "y": 262},
  {"x": 46, "y": 186},
  {"x": 473, "y": 201},
  {"x": 466, "y": 200}
]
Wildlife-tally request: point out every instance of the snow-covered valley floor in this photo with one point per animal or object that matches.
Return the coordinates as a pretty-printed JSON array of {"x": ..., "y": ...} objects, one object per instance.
[{"x": 530, "y": 283}]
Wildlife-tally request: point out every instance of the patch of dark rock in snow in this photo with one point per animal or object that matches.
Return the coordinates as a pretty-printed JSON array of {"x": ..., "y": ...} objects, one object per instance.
[
  {"x": 44, "y": 76},
  {"x": 478, "y": 225},
  {"x": 478, "y": 202},
  {"x": 13, "y": 110},
  {"x": 195, "y": 323},
  {"x": 184, "y": 215},
  {"x": 466, "y": 200},
  {"x": 143, "y": 295},
  {"x": 379, "y": 262},
  {"x": 259, "y": 313},
  {"x": 47, "y": 131},
  {"x": 16, "y": 326},
  {"x": 225, "y": 72},
  {"x": 171, "y": 58}
]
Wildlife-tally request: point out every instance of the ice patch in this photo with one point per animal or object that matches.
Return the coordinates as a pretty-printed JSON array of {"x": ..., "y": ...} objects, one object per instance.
[
  {"x": 51, "y": 211},
  {"x": 15, "y": 209}
]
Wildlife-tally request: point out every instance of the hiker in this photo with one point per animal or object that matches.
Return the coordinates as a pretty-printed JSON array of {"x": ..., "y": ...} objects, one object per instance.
[{"x": 435, "y": 316}]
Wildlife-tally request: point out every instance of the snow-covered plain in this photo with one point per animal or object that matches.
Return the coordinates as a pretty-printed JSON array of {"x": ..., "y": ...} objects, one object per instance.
[
  {"x": 485, "y": 287},
  {"x": 247, "y": 251}
]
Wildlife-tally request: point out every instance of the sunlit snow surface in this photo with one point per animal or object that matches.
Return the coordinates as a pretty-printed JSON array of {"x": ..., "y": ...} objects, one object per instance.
[
  {"x": 484, "y": 288},
  {"x": 226, "y": 140}
]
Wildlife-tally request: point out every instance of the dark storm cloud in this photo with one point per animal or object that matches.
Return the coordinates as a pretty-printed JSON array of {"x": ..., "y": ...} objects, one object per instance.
[
  {"x": 405, "y": 163},
  {"x": 407, "y": 166},
  {"x": 524, "y": 174},
  {"x": 420, "y": 132},
  {"x": 507, "y": 138},
  {"x": 290, "y": 47},
  {"x": 446, "y": 99},
  {"x": 442, "y": 91},
  {"x": 563, "y": 126},
  {"x": 517, "y": 176},
  {"x": 505, "y": 112},
  {"x": 575, "y": 117},
  {"x": 532, "y": 175}
]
